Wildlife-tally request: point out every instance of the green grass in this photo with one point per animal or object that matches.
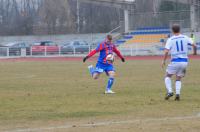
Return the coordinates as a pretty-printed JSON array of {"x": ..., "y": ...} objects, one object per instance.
[{"x": 43, "y": 91}]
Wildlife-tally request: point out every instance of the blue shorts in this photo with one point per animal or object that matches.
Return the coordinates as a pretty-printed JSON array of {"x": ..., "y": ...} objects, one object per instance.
[{"x": 101, "y": 67}]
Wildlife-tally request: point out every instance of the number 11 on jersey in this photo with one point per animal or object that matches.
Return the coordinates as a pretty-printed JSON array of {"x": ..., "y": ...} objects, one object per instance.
[{"x": 179, "y": 46}]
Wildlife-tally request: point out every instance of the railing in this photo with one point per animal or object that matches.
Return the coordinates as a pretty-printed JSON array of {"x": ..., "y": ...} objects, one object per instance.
[
  {"x": 46, "y": 51},
  {"x": 76, "y": 51}
]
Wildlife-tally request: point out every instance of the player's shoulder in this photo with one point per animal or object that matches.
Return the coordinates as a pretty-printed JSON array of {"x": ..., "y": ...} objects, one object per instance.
[
  {"x": 169, "y": 39},
  {"x": 101, "y": 43},
  {"x": 187, "y": 38},
  {"x": 184, "y": 36},
  {"x": 172, "y": 38},
  {"x": 114, "y": 45},
  {"x": 181, "y": 36}
]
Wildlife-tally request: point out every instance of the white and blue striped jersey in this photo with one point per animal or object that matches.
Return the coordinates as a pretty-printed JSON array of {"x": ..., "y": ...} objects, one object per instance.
[{"x": 178, "y": 46}]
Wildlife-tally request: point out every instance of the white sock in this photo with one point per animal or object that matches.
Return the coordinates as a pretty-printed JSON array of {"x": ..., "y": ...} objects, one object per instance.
[
  {"x": 168, "y": 84},
  {"x": 178, "y": 87}
]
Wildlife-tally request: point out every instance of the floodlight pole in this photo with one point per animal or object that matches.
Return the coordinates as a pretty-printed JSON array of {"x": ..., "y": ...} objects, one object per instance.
[
  {"x": 126, "y": 20},
  {"x": 193, "y": 17},
  {"x": 78, "y": 16}
]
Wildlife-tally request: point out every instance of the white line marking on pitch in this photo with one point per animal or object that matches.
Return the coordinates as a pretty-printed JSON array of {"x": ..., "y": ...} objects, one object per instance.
[{"x": 106, "y": 123}]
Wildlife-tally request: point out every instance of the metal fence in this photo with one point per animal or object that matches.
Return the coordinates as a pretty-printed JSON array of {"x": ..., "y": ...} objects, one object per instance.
[
  {"x": 6, "y": 52},
  {"x": 164, "y": 19},
  {"x": 43, "y": 51}
]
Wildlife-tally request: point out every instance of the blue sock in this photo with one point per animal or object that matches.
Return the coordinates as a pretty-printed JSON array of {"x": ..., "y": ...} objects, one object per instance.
[
  {"x": 110, "y": 83},
  {"x": 92, "y": 70}
]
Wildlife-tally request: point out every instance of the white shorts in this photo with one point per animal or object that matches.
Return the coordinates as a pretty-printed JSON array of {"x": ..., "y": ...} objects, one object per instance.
[{"x": 177, "y": 68}]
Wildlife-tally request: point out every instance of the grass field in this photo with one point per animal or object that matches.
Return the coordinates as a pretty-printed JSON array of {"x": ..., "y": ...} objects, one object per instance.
[{"x": 60, "y": 96}]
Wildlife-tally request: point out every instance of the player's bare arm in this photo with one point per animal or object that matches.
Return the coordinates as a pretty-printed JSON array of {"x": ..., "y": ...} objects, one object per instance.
[{"x": 166, "y": 52}]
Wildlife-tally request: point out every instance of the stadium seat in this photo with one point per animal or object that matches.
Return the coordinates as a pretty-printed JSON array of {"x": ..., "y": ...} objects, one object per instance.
[{"x": 147, "y": 35}]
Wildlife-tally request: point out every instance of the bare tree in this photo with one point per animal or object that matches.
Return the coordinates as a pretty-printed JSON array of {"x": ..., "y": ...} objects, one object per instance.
[
  {"x": 56, "y": 16},
  {"x": 24, "y": 17}
]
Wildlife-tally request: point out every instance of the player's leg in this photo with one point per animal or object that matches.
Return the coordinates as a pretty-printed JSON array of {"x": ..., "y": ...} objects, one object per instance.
[
  {"x": 96, "y": 75},
  {"x": 178, "y": 87},
  {"x": 110, "y": 71},
  {"x": 111, "y": 75},
  {"x": 168, "y": 82},
  {"x": 95, "y": 72},
  {"x": 180, "y": 74},
  {"x": 168, "y": 85},
  {"x": 170, "y": 71}
]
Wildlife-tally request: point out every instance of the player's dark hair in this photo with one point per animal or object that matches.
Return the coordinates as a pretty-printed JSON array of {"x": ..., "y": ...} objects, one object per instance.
[
  {"x": 176, "y": 28},
  {"x": 109, "y": 37}
]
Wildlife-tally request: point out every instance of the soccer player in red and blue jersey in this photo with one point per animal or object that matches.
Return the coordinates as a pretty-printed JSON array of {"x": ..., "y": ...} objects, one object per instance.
[{"x": 105, "y": 48}]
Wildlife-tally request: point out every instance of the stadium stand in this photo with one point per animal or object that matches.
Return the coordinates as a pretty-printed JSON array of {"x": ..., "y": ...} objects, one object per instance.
[{"x": 145, "y": 36}]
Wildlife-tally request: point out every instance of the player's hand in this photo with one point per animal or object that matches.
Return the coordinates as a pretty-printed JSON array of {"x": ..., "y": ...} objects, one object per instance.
[
  {"x": 163, "y": 64},
  {"x": 85, "y": 58},
  {"x": 123, "y": 60}
]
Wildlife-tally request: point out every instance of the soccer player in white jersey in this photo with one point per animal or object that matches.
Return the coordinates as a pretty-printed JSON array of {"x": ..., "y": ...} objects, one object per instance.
[{"x": 177, "y": 46}]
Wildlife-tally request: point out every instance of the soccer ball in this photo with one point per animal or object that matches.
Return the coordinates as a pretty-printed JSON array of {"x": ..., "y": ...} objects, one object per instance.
[{"x": 110, "y": 57}]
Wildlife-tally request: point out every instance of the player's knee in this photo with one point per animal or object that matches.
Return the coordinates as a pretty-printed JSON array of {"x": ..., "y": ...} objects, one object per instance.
[
  {"x": 168, "y": 75},
  {"x": 112, "y": 74},
  {"x": 178, "y": 78},
  {"x": 95, "y": 76}
]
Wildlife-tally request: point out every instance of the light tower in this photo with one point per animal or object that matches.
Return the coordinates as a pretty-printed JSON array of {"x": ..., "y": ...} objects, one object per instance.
[{"x": 78, "y": 16}]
